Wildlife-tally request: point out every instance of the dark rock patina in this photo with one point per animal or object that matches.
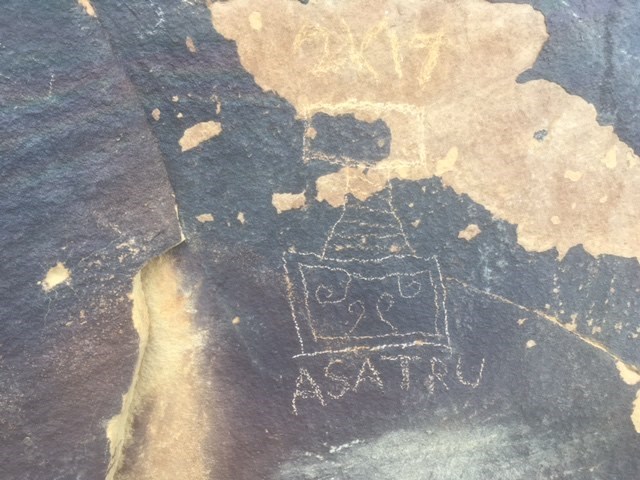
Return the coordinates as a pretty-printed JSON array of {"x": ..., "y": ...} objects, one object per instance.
[{"x": 488, "y": 386}]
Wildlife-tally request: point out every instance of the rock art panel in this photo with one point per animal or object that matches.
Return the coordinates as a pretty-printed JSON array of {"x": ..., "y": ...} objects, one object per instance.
[
  {"x": 403, "y": 255},
  {"x": 352, "y": 292}
]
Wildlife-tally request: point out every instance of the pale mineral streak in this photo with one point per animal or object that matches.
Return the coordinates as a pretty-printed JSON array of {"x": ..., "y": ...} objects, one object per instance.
[
  {"x": 198, "y": 133},
  {"x": 88, "y": 8}
]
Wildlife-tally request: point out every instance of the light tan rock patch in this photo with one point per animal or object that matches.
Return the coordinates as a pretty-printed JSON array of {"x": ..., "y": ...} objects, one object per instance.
[
  {"x": 205, "y": 217},
  {"x": 56, "y": 275},
  {"x": 470, "y": 232},
  {"x": 191, "y": 46},
  {"x": 168, "y": 387},
  {"x": 86, "y": 4},
  {"x": 198, "y": 133},
  {"x": 442, "y": 75},
  {"x": 283, "y": 202}
]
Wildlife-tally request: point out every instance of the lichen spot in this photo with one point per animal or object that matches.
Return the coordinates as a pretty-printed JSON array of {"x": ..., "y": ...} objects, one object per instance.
[
  {"x": 470, "y": 232},
  {"x": 236, "y": 321},
  {"x": 255, "y": 20},
  {"x": 531, "y": 343},
  {"x": 56, "y": 276},
  {"x": 555, "y": 220},
  {"x": 155, "y": 114},
  {"x": 241, "y": 218}
]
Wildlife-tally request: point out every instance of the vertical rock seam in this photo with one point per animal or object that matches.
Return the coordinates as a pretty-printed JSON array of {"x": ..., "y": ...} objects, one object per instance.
[{"x": 161, "y": 430}]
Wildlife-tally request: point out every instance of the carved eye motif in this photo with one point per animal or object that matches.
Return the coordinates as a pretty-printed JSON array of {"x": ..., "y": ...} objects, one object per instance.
[
  {"x": 326, "y": 295},
  {"x": 409, "y": 287},
  {"x": 327, "y": 285}
]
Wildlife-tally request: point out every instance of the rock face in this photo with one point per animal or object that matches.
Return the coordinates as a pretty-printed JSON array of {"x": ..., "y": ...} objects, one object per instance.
[
  {"x": 410, "y": 247},
  {"x": 85, "y": 202}
]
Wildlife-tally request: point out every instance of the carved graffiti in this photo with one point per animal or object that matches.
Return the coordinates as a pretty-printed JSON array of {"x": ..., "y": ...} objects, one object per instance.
[{"x": 366, "y": 300}]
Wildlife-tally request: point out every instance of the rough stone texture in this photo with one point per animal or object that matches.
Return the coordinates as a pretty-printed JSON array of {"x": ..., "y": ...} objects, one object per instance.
[
  {"x": 82, "y": 185},
  {"x": 403, "y": 332},
  {"x": 600, "y": 37}
]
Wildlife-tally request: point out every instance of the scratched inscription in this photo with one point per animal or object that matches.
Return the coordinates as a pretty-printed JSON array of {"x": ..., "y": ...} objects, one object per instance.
[
  {"x": 368, "y": 299},
  {"x": 336, "y": 48}
]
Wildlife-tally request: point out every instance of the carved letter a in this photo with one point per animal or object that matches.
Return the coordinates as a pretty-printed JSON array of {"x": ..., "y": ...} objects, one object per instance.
[{"x": 306, "y": 387}]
